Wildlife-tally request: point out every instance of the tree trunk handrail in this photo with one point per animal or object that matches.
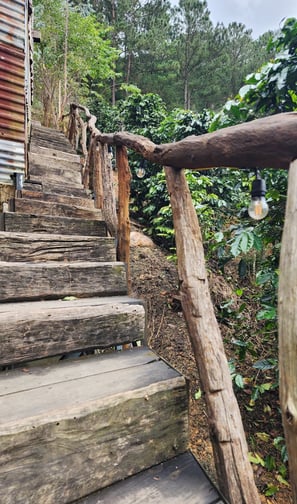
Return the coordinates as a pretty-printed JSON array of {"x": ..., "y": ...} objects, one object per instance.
[{"x": 269, "y": 142}]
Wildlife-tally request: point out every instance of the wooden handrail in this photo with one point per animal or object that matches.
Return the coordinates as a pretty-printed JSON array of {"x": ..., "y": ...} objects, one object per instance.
[{"x": 263, "y": 143}]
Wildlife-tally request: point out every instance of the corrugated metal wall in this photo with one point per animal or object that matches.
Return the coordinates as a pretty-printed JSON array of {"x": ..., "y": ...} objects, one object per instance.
[{"x": 13, "y": 42}]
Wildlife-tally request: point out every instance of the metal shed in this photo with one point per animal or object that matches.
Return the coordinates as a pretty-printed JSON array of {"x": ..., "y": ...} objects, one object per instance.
[{"x": 15, "y": 86}]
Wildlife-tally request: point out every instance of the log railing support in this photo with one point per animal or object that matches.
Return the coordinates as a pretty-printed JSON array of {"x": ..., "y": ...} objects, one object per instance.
[
  {"x": 230, "y": 449},
  {"x": 124, "y": 181},
  {"x": 109, "y": 201},
  {"x": 287, "y": 313}
]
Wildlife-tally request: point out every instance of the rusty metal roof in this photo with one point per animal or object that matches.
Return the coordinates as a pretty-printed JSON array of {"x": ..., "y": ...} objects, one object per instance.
[
  {"x": 13, "y": 40},
  {"x": 12, "y": 93},
  {"x": 12, "y": 22}
]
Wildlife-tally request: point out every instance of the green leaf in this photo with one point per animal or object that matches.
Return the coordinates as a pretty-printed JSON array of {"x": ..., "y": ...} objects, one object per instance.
[
  {"x": 198, "y": 394},
  {"x": 271, "y": 490},
  {"x": 255, "y": 458},
  {"x": 239, "y": 381}
]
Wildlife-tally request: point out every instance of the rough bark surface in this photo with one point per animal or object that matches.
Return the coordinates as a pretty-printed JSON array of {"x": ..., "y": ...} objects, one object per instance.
[
  {"x": 226, "y": 430},
  {"x": 109, "y": 201},
  {"x": 288, "y": 326},
  {"x": 124, "y": 180},
  {"x": 264, "y": 143}
]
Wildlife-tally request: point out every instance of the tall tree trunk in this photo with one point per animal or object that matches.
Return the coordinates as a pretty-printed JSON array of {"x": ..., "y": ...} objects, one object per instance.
[
  {"x": 287, "y": 301},
  {"x": 64, "y": 101},
  {"x": 234, "y": 470},
  {"x": 113, "y": 18}
]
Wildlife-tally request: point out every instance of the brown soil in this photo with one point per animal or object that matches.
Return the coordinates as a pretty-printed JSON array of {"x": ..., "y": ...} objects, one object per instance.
[{"x": 155, "y": 280}]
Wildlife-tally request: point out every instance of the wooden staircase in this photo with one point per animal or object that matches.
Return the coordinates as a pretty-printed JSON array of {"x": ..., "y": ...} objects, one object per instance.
[{"x": 78, "y": 417}]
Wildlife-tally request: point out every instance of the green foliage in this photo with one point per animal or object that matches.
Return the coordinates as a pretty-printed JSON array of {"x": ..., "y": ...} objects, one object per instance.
[{"x": 74, "y": 43}]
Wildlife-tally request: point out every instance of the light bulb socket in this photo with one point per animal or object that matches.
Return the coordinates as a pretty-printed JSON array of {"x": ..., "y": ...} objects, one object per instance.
[{"x": 258, "y": 188}]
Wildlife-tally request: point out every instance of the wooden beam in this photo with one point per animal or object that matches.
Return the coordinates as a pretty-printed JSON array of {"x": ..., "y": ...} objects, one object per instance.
[
  {"x": 124, "y": 180},
  {"x": 234, "y": 471},
  {"x": 264, "y": 143},
  {"x": 287, "y": 301}
]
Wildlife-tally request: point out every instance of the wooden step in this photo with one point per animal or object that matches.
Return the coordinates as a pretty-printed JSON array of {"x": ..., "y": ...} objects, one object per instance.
[
  {"x": 35, "y": 207},
  {"x": 44, "y": 161},
  {"x": 180, "y": 480},
  {"x": 34, "y": 330},
  {"x": 85, "y": 202},
  {"x": 55, "y": 154},
  {"x": 54, "y": 247},
  {"x": 69, "y": 191},
  {"x": 73, "y": 428},
  {"x": 58, "y": 174},
  {"x": 21, "y": 281},
  {"x": 52, "y": 143},
  {"x": 17, "y": 222},
  {"x": 38, "y": 131}
]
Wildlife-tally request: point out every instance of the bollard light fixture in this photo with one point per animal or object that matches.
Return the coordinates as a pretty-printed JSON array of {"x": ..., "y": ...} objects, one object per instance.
[{"x": 258, "y": 208}]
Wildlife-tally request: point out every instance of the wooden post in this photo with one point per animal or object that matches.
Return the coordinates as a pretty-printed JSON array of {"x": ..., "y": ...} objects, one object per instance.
[
  {"x": 108, "y": 203},
  {"x": 230, "y": 449},
  {"x": 287, "y": 313},
  {"x": 97, "y": 174},
  {"x": 124, "y": 181}
]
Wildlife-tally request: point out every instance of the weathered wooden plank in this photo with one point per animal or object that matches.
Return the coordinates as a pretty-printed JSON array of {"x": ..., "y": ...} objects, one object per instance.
[
  {"x": 53, "y": 153},
  {"x": 287, "y": 300},
  {"x": 177, "y": 481},
  {"x": 56, "y": 180},
  {"x": 85, "y": 202},
  {"x": 58, "y": 225},
  {"x": 63, "y": 441},
  {"x": 64, "y": 189},
  {"x": 64, "y": 174},
  {"x": 52, "y": 280},
  {"x": 14, "y": 381},
  {"x": 43, "y": 328},
  {"x": 30, "y": 206},
  {"x": 42, "y": 247},
  {"x": 59, "y": 144},
  {"x": 44, "y": 161}
]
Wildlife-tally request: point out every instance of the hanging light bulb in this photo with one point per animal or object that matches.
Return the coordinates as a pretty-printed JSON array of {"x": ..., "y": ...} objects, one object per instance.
[
  {"x": 140, "y": 171},
  {"x": 258, "y": 208}
]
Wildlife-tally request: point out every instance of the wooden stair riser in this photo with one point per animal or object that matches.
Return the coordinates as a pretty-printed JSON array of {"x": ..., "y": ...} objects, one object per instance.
[
  {"x": 42, "y": 247},
  {"x": 63, "y": 175},
  {"x": 85, "y": 202},
  {"x": 69, "y": 191},
  {"x": 55, "y": 154},
  {"x": 59, "y": 327},
  {"x": 54, "y": 162},
  {"x": 65, "y": 451},
  {"x": 31, "y": 281},
  {"x": 54, "y": 143},
  {"x": 50, "y": 208},
  {"x": 14, "y": 222}
]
